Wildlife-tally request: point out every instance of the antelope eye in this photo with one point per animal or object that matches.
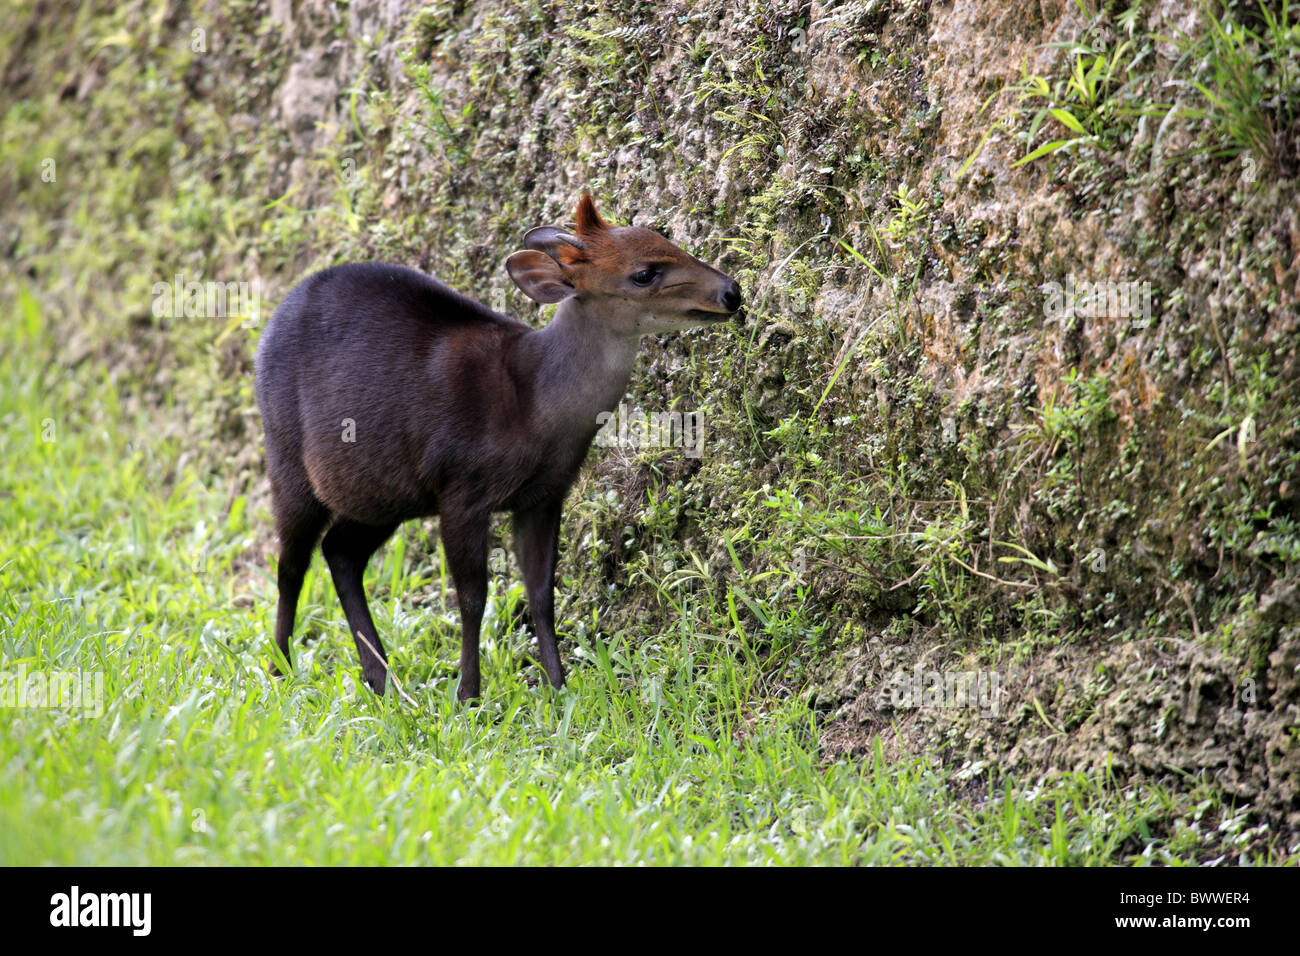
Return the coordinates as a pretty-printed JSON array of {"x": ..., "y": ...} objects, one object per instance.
[{"x": 645, "y": 277}]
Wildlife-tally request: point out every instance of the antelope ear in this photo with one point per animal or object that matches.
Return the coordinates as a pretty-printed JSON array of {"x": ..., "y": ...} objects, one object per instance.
[
  {"x": 539, "y": 276},
  {"x": 549, "y": 239}
]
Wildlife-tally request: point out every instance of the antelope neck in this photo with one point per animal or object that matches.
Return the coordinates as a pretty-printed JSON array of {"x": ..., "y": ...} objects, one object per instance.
[{"x": 583, "y": 366}]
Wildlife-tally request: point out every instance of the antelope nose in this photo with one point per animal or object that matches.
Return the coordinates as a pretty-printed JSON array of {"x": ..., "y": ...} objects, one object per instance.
[{"x": 731, "y": 298}]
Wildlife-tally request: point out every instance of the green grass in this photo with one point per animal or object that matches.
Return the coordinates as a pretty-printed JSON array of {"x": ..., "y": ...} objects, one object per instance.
[
  {"x": 119, "y": 560},
  {"x": 1250, "y": 79}
]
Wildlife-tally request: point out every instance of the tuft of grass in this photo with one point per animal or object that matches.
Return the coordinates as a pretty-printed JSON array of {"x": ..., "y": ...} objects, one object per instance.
[
  {"x": 1250, "y": 79},
  {"x": 1083, "y": 101},
  {"x": 1088, "y": 103}
]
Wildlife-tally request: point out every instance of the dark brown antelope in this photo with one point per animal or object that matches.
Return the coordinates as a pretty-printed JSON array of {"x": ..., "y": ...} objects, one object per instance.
[{"x": 386, "y": 396}]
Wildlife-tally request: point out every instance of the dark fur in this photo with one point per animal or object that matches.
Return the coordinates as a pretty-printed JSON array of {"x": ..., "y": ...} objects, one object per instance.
[{"x": 441, "y": 392}]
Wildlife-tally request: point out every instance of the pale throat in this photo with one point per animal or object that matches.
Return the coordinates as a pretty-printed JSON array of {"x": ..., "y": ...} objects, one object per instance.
[{"x": 583, "y": 367}]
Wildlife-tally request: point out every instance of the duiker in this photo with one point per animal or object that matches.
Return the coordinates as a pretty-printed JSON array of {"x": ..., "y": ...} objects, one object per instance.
[{"x": 387, "y": 396}]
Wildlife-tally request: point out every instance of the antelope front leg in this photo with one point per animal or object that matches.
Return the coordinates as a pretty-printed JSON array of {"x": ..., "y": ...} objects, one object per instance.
[{"x": 537, "y": 535}]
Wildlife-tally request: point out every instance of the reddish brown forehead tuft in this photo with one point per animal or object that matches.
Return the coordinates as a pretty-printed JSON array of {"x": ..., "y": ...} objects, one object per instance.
[
  {"x": 613, "y": 248},
  {"x": 587, "y": 218}
]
